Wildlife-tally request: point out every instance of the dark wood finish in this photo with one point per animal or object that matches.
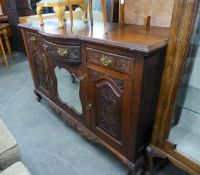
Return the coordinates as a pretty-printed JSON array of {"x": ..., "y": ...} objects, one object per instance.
[
  {"x": 119, "y": 75},
  {"x": 14, "y": 10},
  {"x": 3, "y": 19},
  {"x": 180, "y": 35},
  {"x": 38, "y": 63}
]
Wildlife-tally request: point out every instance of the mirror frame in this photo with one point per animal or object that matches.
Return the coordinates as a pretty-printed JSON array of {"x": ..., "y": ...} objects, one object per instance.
[{"x": 184, "y": 15}]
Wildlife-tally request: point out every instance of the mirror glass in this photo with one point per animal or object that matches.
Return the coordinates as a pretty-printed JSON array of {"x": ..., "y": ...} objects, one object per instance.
[
  {"x": 68, "y": 87},
  {"x": 185, "y": 126},
  {"x": 1, "y": 13}
]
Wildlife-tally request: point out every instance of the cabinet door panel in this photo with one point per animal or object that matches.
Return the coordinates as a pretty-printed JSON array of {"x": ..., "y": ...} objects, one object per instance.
[
  {"x": 109, "y": 108},
  {"x": 110, "y": 98},
  {"x": 39, "y": 68}
]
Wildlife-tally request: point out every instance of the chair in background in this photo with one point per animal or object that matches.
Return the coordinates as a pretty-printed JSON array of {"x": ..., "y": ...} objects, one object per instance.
[
  {"x": 5, "y": 33},
  {"x": 59, "y": 7}
]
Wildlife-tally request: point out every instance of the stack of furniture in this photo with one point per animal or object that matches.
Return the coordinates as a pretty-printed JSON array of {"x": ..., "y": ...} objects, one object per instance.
[
  {"x": 15, "y": 9},
  {"x": 9, "y": 154}
]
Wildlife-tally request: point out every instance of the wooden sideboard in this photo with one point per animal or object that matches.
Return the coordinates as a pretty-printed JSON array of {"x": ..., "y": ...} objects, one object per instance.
[{"x": 115, "y": 80}]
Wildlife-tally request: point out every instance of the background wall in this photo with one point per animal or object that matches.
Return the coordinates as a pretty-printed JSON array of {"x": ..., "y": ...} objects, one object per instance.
[
  {"x": 135, "y": 10},
  {"x": 160, "y": 10}
]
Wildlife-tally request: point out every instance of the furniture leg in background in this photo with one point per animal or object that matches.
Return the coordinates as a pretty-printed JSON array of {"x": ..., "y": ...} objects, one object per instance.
[
  {"x": 90, "y": 11},
  {"x": 71, "y": 12},
  {"x": 121, "y": 13},
  {"x": 8, "y": 44},
  {"x": 39, "y": 13},
  {"x": 103, "y": 4},
  {"x": 84, "y": 11},
  {"x": 3, "y": 51},
  {"x": 5, "y": 32},
  {"x": 60, "y": 11},
  {"x": 1, "y": 61}
]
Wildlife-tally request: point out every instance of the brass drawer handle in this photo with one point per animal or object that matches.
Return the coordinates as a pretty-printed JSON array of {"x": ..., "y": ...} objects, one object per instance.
[
  {"x": 106, "y": 60},
  {"x": 45, "y": 46},
  {"x": 90, "y": 107},
  {"x": 33, "y": 38},
  {"x": 62, "y": 52}
]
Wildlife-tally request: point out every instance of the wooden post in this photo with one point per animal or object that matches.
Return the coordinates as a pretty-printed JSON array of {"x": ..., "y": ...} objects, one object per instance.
[
  {"x": 147, "y": 22},
  {"x": 103, "y": 3},
  {"x": 121, "y": 12},
  {"x": 104, "y": 12},
  {"x": 91, "y": 13},
  {"x": 39, "y": 13},
  {"x": 71, "y": 12}
]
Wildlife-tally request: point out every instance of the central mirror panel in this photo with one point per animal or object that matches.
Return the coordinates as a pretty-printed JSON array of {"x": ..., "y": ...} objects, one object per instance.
[{"x": 68, "y": 87}]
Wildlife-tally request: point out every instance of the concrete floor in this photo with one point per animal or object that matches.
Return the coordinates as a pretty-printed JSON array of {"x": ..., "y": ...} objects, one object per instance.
[{"x": 48, "y": 146}]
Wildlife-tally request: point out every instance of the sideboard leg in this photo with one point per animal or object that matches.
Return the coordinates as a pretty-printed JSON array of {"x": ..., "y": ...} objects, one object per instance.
[
  {"x": 38, "y": 96},
  {"x": 151, "y": 154},
  {"x": 137, "y": 167},
  {"x": 131, "y": 172}
]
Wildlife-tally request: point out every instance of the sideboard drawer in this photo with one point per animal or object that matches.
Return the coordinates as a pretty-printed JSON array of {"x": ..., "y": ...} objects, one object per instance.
[
  {"x": 33, "y": 38},
  {"x": 111, "y": 61},
  {"x": 67, "y": 53}
]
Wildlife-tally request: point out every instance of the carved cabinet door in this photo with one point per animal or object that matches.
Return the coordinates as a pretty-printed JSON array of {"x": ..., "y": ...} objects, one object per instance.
[
  {"x": 110, "y": 107},
  {"x": 38, "y": 63}
]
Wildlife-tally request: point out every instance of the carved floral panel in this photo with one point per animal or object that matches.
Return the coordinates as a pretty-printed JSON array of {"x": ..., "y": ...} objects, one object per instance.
[
  {"x": 108, "y": 109},
  {"x": 40, "y": 69}
]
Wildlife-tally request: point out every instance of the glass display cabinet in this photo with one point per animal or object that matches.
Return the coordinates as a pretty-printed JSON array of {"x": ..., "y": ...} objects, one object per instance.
[{"x": 176, "y": 133}]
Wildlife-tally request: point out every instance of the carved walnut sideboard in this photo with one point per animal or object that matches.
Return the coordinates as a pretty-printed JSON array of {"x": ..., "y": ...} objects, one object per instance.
[{"x": 103, "y": 84}]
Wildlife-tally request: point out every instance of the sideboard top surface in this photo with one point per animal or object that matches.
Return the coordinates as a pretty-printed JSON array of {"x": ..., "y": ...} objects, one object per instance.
[{"x": 131, "y": 37}]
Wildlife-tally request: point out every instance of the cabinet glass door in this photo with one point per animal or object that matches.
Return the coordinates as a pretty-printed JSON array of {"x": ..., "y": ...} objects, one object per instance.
[{"x": 185, "y": 127}]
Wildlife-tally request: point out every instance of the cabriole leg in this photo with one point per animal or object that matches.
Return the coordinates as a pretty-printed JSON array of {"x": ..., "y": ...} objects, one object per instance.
[
  {"x": 38, "y": 96},
  {"x": 60, "y": 11},
  {"x": 84, "y": 12},
  {"x": 137, "y": 167},
  {"x": 39, "y": 13},
  {"x": 151, "y": 154}
]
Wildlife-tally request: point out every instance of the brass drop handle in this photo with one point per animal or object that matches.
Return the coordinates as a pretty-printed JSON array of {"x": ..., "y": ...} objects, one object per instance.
[
  {"x": 106, "y": 60},
  {"x": 45, "y": 46},
  {"x": 90, "y": 106},
  {"x": 62, "y": 52},
  {"x": 33, "y": 38}
]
